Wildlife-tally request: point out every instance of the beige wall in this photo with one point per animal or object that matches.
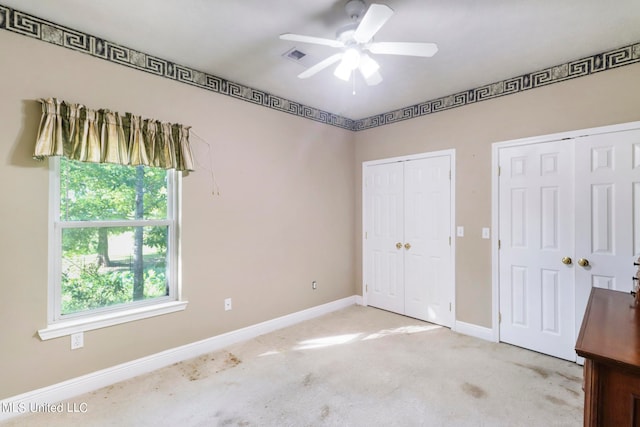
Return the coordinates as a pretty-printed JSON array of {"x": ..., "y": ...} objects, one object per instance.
[
  {"x": 602, "y": 99},
  {"x": 285, "y": 214},
  {"x": 289, "y": 210}
]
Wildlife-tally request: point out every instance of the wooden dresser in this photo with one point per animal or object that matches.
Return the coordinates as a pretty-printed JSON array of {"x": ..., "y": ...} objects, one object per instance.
[{"x": 609, "y": 341}]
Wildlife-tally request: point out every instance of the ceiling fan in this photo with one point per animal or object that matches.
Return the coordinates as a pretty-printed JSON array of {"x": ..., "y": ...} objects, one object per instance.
[{"x": 356, "y": 41}]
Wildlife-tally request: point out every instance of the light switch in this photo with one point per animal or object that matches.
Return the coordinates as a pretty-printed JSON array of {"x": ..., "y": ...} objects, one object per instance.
[
  {"x": 460, "y": 231},
  {"x": 486, "y": 234}
]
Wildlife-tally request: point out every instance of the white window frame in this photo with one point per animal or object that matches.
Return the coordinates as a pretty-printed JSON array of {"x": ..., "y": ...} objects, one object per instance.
[{"x": 61, "y": 325}]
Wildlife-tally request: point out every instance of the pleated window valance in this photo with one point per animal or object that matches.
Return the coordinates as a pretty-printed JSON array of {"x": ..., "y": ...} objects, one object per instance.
[{"x": 102, "y": 136}]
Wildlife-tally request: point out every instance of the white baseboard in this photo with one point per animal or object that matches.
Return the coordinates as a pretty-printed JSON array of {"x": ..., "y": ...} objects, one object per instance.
[
  {"x": 55, "y": 393},
  {"x": 474, "y": 330}
]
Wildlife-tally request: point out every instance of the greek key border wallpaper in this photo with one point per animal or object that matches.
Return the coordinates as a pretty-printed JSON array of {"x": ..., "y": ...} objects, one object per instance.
[
  {"x": 582, "y": 67},
  {"x": 32, "y": 26}
]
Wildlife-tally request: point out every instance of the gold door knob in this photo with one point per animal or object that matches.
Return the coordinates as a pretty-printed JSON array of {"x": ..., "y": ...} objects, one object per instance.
[
  {"x": 583, "y": 262},
  {"x": 567, "y": 260},
  {"x": 407, "y": 246},
  {"x": 398, "y": 245}
]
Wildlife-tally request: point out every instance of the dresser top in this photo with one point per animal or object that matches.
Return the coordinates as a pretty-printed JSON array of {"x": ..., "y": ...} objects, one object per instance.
[{"x": 610, "y": 329}]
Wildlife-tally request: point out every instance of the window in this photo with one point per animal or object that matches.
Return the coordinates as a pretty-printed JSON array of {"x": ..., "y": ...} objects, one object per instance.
[{"x": 113, "y": 244}]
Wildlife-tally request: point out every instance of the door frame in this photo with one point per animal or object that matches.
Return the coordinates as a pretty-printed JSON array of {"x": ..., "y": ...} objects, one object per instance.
[
  {"x": 495, "y": 202},
  {"x": 451, "y": 153}
]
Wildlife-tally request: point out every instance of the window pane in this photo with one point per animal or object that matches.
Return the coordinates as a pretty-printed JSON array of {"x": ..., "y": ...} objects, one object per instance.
[
  {"x": 92, "y": 191},
  {"x": 105, "y": 266}
]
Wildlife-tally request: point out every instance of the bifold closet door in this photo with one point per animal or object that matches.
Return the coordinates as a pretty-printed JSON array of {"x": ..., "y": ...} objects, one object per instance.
[
  {"x": 536, "y": 244},
  {"x": 384, "y": 212},
  {"x": 427, "y": 230},
  {"x": 607, "y": 213},
  {"x": 408, "y": 257},
  {"x": 569, "y": 215}
]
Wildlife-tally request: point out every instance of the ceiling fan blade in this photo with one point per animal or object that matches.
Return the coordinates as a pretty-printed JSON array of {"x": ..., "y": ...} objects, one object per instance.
[
  {"x": 320, "y": 66},
  {"x": 374, "y": 79},
  {"x": 372, "y": 21},
  {"x": 404, "y": 48},
  {"x": 314, "y": 40}
]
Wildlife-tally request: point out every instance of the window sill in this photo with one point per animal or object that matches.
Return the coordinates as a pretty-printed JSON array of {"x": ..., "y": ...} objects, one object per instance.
[{"x": 102, "y": 321}]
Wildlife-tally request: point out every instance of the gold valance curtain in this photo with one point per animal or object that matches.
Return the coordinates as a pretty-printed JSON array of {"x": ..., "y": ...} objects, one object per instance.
[{"x": 103, "y": 136}]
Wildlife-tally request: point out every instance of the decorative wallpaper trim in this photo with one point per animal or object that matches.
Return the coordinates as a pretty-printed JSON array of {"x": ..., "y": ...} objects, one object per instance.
[
  {"x": 41, "y": 29},
  {"x": 32, "y": 26},
  {"x": 582, "y": 67}
]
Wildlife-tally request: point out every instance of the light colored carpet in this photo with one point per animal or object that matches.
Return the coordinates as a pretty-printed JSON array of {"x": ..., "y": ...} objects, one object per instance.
[{"x": 356, "y": 367}]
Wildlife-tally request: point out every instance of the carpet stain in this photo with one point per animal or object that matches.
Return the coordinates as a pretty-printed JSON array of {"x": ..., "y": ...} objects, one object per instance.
[
  {"x": 232, "y": 360},
  {"x": 556, "y": 400},
  {"x": 234, "y": 422},
  {"x": 192, "y": 370},
  {"x": 538, "y": 370},
  {"x": 474, "y": 391},
  {"x": 226, "y": 420},
  {"x": 569, "y": 377},
  {"x": 575, "y": 393},
  {"x": 308, "y": 379},
  {"x": 325, "y": 412},
  {"x": 205, "y": 365}
]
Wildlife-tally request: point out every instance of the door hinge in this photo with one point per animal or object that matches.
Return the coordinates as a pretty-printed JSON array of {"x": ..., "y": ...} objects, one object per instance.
[
  {"x": 449, "y": 306},
  {"x": 365, "y": 235},
  {"x": 366, "y": 288},
  {"x": 499, "y": 317},
  {"x": 499, "y": 170},
  {"x": 449, "y": 240},
  {"x": 449, "y": 175},
  {"x": 499, "y": 244}
]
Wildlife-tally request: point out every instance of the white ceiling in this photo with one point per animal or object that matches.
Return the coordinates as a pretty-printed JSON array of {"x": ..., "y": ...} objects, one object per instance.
[{"x": 480, "y": 41}]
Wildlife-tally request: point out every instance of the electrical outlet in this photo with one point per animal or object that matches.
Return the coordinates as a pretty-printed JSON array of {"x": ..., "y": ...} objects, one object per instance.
[
  {"x": 314, "y": 285},
  {"x": 460, "y": 231},
  {"x": 77, "y": 340},
  {"x": 227, "y": 304}
]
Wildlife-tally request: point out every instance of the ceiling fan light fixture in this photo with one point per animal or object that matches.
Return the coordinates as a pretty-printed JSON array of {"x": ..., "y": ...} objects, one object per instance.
[
  {"x": 351, "y": 58},
  {"x": 374, "y": 79},
  {"x": 368, "y": 66},
  {"x": 342, "y": 71},
  {"x": 350, "y": 61},
  {"x": 356, "y": 40}
]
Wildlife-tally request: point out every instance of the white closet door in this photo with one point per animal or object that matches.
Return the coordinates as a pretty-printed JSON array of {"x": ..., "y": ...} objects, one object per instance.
[
  {"x": 384, "y": 189},
  {"x": 536, "y": 232},
  {"x": 428, "y": 290},
  {"x": 608, "y": 213}
]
